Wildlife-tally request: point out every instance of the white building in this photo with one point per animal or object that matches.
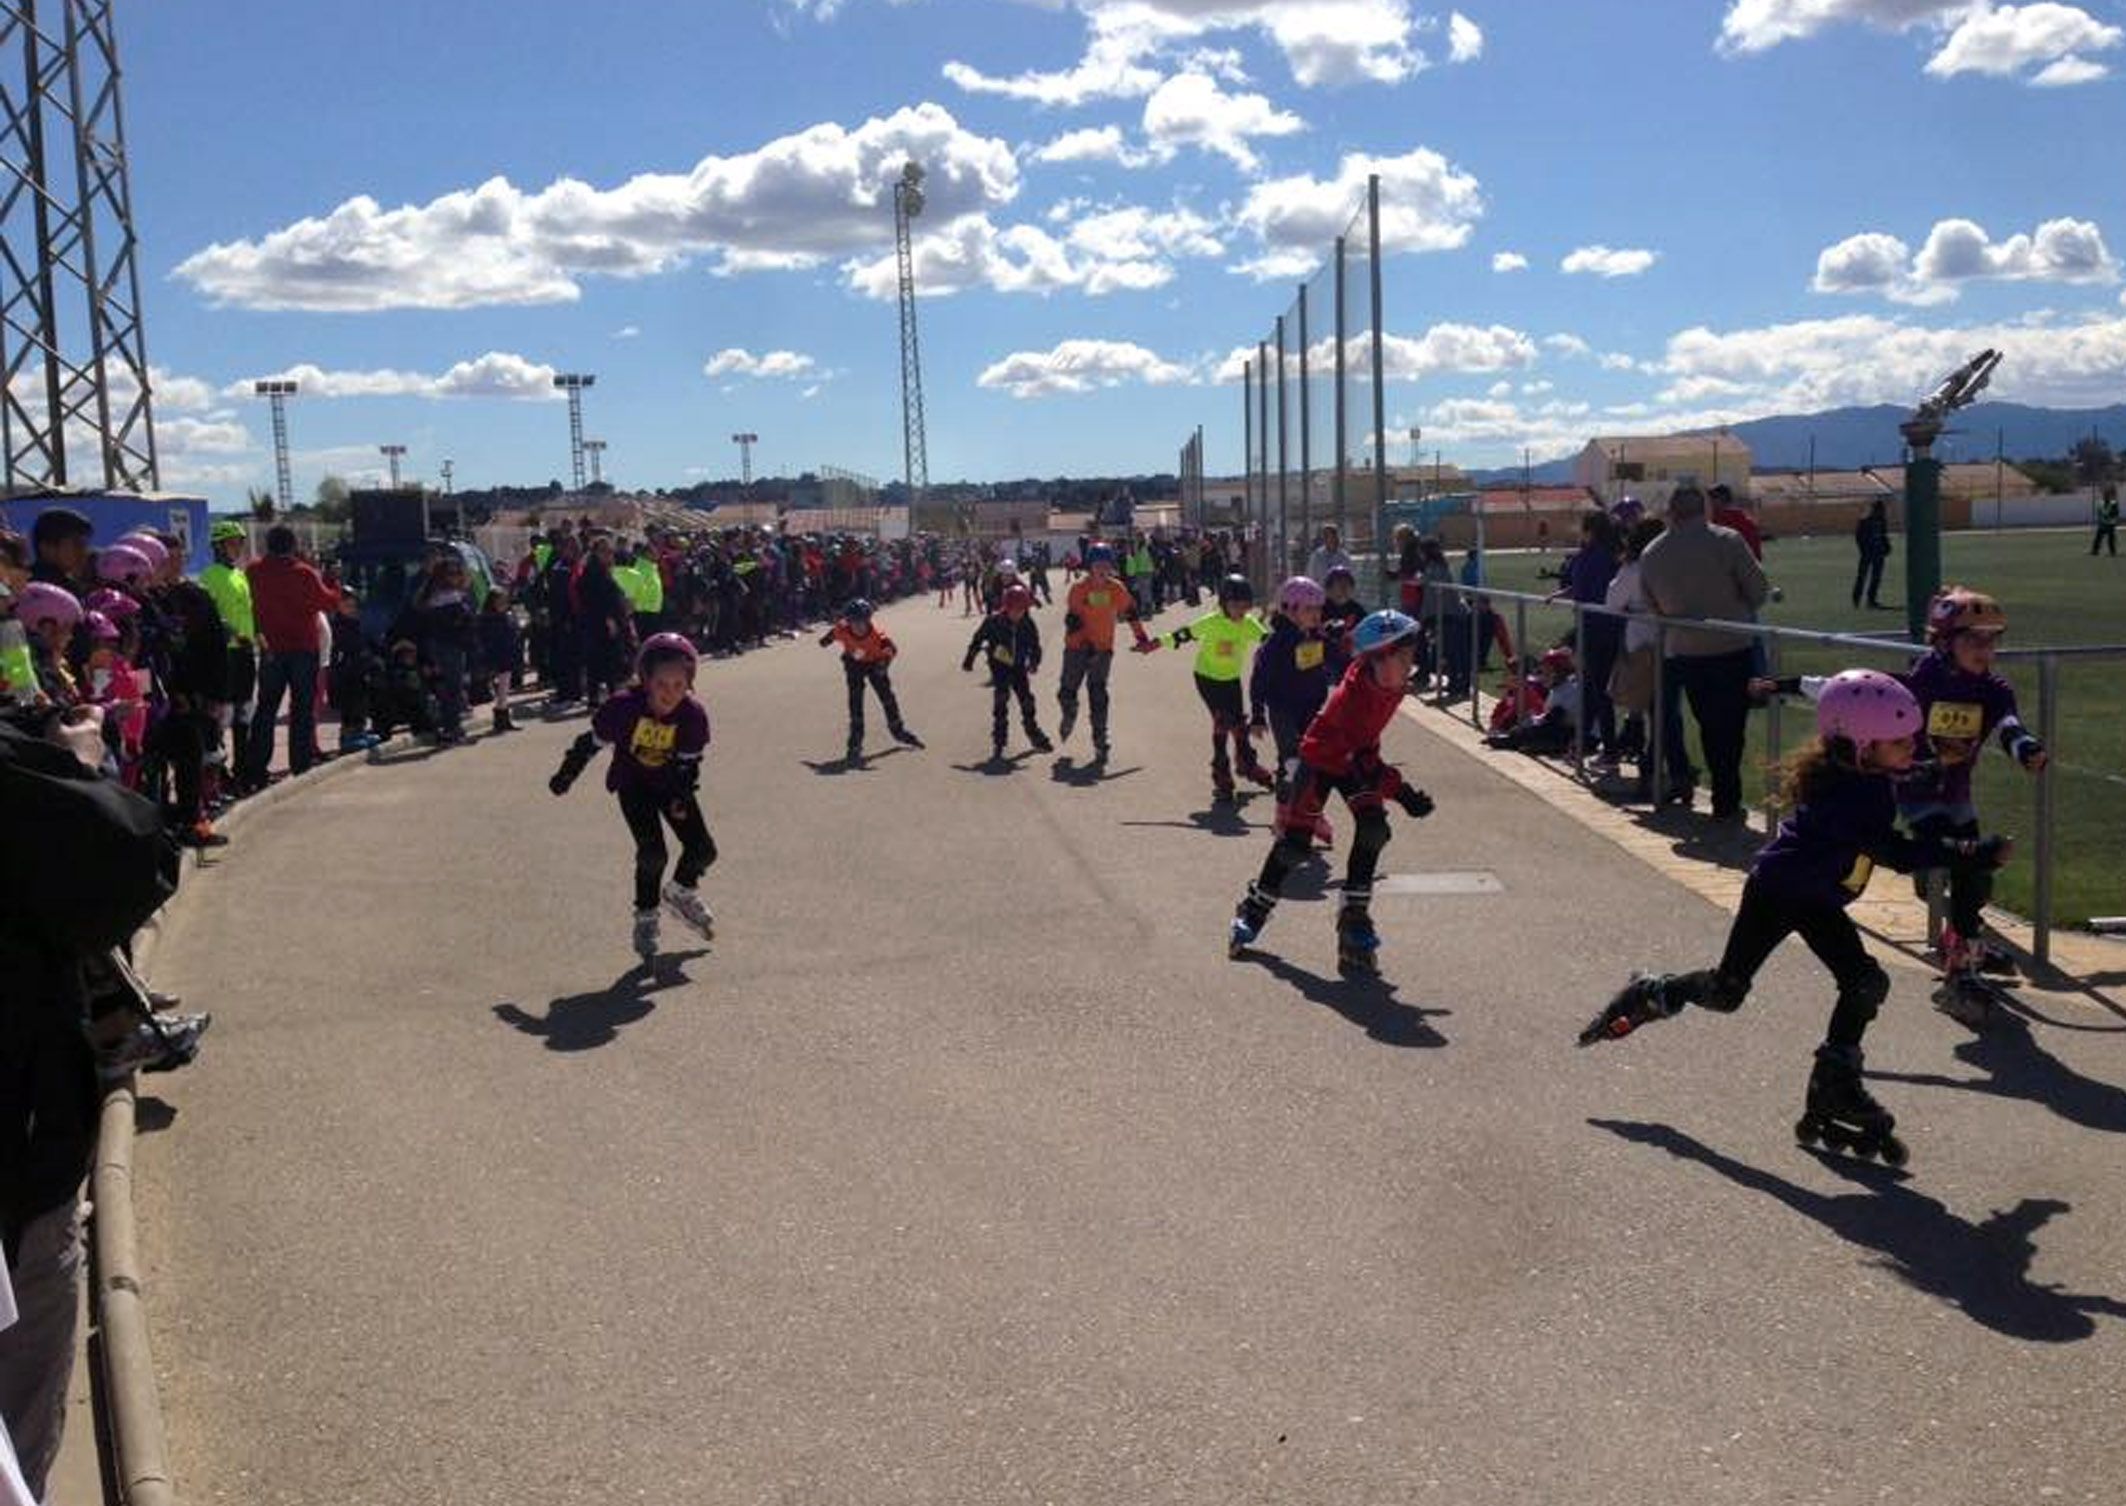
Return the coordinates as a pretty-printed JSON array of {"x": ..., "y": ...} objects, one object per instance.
[{"x": 1650, "y": 466}]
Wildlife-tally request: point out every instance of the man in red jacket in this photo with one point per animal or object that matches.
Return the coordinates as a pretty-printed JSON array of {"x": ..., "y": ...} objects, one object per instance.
[{"x": 287, "y": 597}]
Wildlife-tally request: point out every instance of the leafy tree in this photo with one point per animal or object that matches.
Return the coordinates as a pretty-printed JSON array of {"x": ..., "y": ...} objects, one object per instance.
[
  {"x": 333, "y": 504},
  {"x": 261, "y": 503},
  {"x": 2094, "y": 463}
]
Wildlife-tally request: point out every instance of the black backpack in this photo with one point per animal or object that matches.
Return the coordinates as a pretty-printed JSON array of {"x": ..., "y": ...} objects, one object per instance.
[{"x": 84, "y": 861}]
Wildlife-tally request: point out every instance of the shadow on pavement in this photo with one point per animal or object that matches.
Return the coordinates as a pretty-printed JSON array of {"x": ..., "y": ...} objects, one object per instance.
[
  {"x": 152, "y": 1115},
  {"x": 848, "y": 765},
  {"x": 579, "y": 1022},
  {"x": 1368, "y": 1003},
  {"x": 2017, "y": 1066},
  {"x": 1983, "y": 1269},
  {"x": 1219, "y": 821},
  {"x": 1009, "y": 764},
  {"x": 1085, "y": 776}
]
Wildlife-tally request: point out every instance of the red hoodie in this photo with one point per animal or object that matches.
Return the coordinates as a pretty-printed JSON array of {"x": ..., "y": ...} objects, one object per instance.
[
  {"x": 1344, "y": 737},
  {"x": 286, "y": 597}
]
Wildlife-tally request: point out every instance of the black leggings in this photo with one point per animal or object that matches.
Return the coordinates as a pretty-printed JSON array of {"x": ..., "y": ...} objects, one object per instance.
[
  {"x": 646, "y": 816},
  {"x": 1970, "y": 884},
  {"x": 874, "y": 675},
  {"x": 1310, "y": 791},
  {"x": 1227, "y": 705},
  {"x": 1765, "y": 920},
  {"x": 1004, "y": 686}
]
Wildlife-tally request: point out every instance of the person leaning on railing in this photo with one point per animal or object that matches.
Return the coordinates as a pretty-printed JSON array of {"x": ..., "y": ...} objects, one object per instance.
[{"x": 1697, "y": 569}]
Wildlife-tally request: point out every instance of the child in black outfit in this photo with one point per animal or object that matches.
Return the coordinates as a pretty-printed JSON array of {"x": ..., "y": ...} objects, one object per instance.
[
  {"x": 1011, "y": 643},
  {"x": 501, "y": 652},
  {"x": 867, "y": 654},
  {"x": 1843, "y": 822}
]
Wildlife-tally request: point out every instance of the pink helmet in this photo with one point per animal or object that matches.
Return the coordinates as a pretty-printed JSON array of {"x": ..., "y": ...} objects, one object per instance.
[
  {"x": 1866, "y": 706},
  {"x": 663, "y": 646},
  {"x": 102, "y": 629},
  {"x": 156, "y": 552},
  {"x": 115, "y": 605},
  {"x": 1300, "y": 591},
  {"x": 42, "y": 602},
  {"x": 124, "y": 565}
]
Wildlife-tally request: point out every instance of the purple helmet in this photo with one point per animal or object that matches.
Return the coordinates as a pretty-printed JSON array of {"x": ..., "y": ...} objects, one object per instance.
[
  {"x": 124, "y": 565},
  {"x": 115, "y": 605},
  {"x": 1866, "y": 706},
  {"x": 155, "y": 551},
  {"x": 102, "y": 629},
  {"x": 1300, "y": 591},
  {"x": 666, "y": 646},
  {"x": 42, "y": 602}
]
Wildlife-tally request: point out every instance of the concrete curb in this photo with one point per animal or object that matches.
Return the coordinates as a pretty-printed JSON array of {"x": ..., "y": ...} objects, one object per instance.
[
  {"x": 118, "y": 1295},
  {"x": 1896, "y": 927}
]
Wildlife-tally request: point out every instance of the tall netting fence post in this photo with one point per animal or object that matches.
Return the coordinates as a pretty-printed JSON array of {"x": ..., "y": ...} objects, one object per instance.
[{"x": 1379, "y": 425}]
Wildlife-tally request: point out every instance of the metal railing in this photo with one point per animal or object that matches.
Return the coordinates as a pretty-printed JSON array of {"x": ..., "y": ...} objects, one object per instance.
[{"x": 1775, "y": 640}]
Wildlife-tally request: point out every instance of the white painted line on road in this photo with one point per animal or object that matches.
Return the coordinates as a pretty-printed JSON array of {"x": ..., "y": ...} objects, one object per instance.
[{"x": 1475, "y": 882}]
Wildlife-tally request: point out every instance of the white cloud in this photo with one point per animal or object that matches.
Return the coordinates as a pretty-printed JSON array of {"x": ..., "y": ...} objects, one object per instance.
[
  {"x": 1970, "y": 36},
  {"x": 821, "y": 193},
  {"x": 1825, "y": 363},
  {"x": 768, "y": 365},
  {"x": 173, "y": 393},
  {"x": 501, "y": 374},
  {"x": 201, "y": 436},
  {"x": 1465, "y": 39},
  {"x": 1567, "y": 345},
  {"x": 1508, "y": 261},
  {"x": 1121, "y": 248},
  {"x": 1531, "y": 389},
  {"x": 1190, "y": 109},
  {"x": 1603, "y": 261},
  {"x": 2005, "y": 41},
  {"x": 1500, "y": 389},
  {"x": 1617, "y": 360},
  {"x": 627, "y": 332},
  {"x": 1455, "y": 348},
  {"x": 1959, "y": 251},
  {"x": 1080, "y": 366},
  {"x": 1324, "y": 43},
  {"x": 1426, "y": 204},
  {"x": 1094, "y": 144}
]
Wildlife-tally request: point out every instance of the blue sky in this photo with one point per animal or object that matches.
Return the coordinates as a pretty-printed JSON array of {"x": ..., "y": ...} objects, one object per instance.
[{"x": 1615, "y": 217}]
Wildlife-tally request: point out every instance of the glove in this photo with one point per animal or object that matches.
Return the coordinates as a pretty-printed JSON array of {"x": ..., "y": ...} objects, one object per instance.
[
  {"x": 573, "y": 763},
  {"x": 2031, "y": 754},
  {"x": 826, "y": 638},
  {"x": 967, "y": 666},
  {"x": 1072, "y": 622},
  {"x": 1415, "y": 802}
]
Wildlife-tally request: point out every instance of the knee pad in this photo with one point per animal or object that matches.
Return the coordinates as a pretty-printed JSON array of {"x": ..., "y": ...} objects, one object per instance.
[{"x": 1865, "y": 991}]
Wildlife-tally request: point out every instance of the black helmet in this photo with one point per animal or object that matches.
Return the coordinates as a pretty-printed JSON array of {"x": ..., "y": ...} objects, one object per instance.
[
  {"x": 1235, "y": 588},
  {"x": 858, "y": 610}
]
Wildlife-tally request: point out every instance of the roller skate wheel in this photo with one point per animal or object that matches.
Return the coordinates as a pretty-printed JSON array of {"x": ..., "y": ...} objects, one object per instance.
[
  {"x": 1893, "y": 1151},
  {"x": 1807, "y": 1130}
]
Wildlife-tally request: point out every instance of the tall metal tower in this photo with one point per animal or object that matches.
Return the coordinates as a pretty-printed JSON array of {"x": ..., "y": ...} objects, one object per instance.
[
  {"x": 594, "y": 450},
  {"x": 745, "y": 443},
  {"x": 448, "y": 471},
  {"x": 391, "y": 453},
  {"x": 573, "y": 383},
  {"x": 278, "y": 393},
  {"x": 73, "y": 354},
  {"x": 907, "y": 204}
]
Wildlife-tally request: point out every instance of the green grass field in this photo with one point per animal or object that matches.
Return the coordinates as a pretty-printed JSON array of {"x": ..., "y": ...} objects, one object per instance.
[{"x": 2055, "y": 596}]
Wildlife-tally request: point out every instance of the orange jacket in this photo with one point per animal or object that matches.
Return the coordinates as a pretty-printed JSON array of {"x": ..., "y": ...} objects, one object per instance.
[
  {"x": 873, "y": 648},
  {"x": 1091, "y": 611}
]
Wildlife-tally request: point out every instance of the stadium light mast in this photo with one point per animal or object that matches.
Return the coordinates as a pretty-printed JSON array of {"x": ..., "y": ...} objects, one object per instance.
[
  {"x": 594, "y": 450},
  {"x": 573, "y": 383},
  {"x": 73, "y": 347},
  {"x": 745, "y": 443},
  {"x": 915, "y": 461},
  {"x": 391, "y": 454},
  {"x": 277, "y": 393},
  {"x": 449, "y": 469}
]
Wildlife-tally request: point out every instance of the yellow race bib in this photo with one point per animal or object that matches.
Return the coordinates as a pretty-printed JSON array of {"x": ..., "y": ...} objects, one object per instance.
[
  {"x": 1956, "y": 719},
  {"x": 1307, "y": 656},
  {"x": 653, "y": 742},
  {"x": 1856, "y": 879},
  {"x": 1002, "y": 655}
]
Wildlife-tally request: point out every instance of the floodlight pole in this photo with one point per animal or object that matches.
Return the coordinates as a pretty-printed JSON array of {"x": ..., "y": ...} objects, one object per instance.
[
  {"x": 915, "y": 459},
  {"x": 277, "y": 393},
  {"x": 594, "y": 451},
  {"x": 448, "y": 472},
  {"x": 573, "y": 383},
  {"x": 745, "y": 443},
  {"x": 391, "y": 454}
]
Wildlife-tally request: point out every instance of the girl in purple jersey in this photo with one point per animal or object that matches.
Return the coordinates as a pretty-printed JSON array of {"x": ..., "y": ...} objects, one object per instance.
[
  {"x": 658, "y": 732},
  {"x": 1842, "y": 821},
  {"x": 1962, "y": 703}
]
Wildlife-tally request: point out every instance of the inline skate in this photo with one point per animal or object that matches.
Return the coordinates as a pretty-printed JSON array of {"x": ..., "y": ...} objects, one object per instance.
[{"x": 1841, "y": 1114}]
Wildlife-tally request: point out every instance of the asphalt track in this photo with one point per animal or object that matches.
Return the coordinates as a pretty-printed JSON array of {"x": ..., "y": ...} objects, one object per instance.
[{"x": 964, "y": 1166}]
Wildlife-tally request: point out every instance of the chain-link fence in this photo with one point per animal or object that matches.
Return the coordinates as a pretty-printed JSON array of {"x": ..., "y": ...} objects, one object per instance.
[{"x": 1313, "y": 410}]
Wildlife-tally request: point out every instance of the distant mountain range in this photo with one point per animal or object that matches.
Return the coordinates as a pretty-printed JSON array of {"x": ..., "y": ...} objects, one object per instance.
[{"x": 1847, "y": 438}]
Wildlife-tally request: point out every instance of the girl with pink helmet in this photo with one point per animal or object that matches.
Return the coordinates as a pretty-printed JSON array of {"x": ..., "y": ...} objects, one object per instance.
[{"x": 1841, "y": 821}]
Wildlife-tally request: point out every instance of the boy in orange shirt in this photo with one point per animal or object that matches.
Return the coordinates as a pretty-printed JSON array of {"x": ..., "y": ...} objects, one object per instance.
[
  {"x": 1090, "y": 612},
  {"x": 866, "y": 653}
]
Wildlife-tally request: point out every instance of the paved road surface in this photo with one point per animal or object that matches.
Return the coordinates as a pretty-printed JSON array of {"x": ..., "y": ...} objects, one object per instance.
[{"x": 964, "y": 1167}]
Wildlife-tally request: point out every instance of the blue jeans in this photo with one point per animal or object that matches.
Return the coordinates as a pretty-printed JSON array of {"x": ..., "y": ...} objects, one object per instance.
[{"x": 296, "y": 675}]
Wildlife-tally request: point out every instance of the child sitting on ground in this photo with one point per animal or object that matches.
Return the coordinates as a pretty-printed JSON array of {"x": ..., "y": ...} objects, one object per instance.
[{"x": 1549, "y": 731}]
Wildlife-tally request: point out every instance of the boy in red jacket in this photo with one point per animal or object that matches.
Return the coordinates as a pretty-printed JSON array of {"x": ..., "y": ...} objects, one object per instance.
[{"x": 1340, "y": 753}]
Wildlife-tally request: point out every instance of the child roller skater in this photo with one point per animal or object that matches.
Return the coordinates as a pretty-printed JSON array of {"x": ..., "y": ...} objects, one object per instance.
[
  {"x": 658, "y": 732},
  {"x": 867, "y": 654},
  {"x": 1224, "y": 639},
  {"x": 1091, "y": 609},
  {"x": 1290, "y": 681},
  {"x": 1963, "y": 702},
  {"x": 1340, "y": 753},
  {"x": 1842, "y": 822},
  {"x": 1011, "y": 643}
]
